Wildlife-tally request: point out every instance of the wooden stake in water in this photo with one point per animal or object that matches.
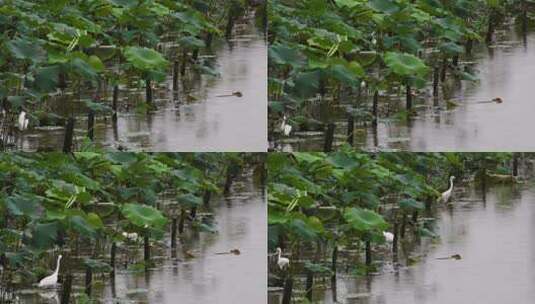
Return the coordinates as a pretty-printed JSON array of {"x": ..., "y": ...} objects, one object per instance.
[
  {"x": 329, "y": 138},
  {"x": 287, "y": 293},
  {"x": 175, "y": 76},
  {"x": 114, "y": 103},
  {"x": 146, "y": 247},
  {"x": 88, "y": 280},
  {"x": 91, "y": 125},
  {"x": 333, "y": 269},
  {"x": 69, "y": 133},
  {"x": 173, "y": 232},
  {"x": 66, "y": 290},
  {"x": 112, "y": 257},
  {"x": 350, "y": 129}
]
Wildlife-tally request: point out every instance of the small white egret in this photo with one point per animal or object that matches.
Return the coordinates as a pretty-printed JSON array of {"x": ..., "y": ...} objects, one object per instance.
[
  {"x": 52, "y": 279},
  {"x": 23, "y": 121},
  {"x": 286, "y": 129},
  {"x": 445, "y": 197},
  {"x": 131, "y": 236},
  {"x": 282, "y": 262},
  {"x": 389, "y": 237}
]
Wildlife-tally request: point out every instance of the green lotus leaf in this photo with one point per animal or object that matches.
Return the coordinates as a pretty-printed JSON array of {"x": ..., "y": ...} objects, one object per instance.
[
  {"x": 145, "y": 59},
  {"x": 144, "y": 216},
  {"x": 404, "y": 64}
]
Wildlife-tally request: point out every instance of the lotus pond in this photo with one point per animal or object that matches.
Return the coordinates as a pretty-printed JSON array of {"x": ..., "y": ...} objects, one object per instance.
[
  {"x": 439, "y": 253},
  {"x": 185, "y": 228}
]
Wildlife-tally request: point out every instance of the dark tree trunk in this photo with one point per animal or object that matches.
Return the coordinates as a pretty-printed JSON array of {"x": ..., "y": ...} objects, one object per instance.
[
  {"x": 395, "y": 242},
  {"x": 368, "y": 253},
  {"x": 309, "y": 285},
  {"x": 515, "y": 164},
  {"x": 112, "y": 257},
  {"x": 206, "y": 198},
  {"x": 409, "y": 98},
  {"x": 114, "y": 103},
  {"x": 287, "y": 293},
  {"x": 329, "y": 138},
  {"x": 375, "y": 108},
  {"x": 91, "y": 125},
  {"x": 334, "y": 261},
  {"x": 173, "y": 232},
  {"x": 66, "y": 291},
  {"x": 182, "y": 219},
  {"x": 88, "y": 280},
  {"x": 69, "y": 133},
  {"x": 176, "y": 70},
  {"x": 350, "y": 129},
  {"x": 436, "y": 80},
  {"x": 146, "y": 247},
  {"x": 444, "y": 71},
  {"x": 148, "y": 91}
]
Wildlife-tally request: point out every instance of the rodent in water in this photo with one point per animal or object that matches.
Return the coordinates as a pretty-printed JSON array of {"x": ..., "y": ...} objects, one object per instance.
[
  {"x": 237, "y": 94},
  {"x": 453, "y": 257},
  {"x": 495, "y": 100},
  {"x": 233, "y": 251}
]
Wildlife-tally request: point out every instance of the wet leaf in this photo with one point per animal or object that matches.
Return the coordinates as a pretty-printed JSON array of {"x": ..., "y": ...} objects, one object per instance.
[
  {"x": 142, "y": 216},
  {"x": 145, "y": 59}
]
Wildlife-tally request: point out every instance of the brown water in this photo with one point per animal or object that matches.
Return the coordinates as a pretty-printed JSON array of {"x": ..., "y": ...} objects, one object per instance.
[
  {"x": 506, "y": 70},
  {"x": 209, "y": 123},
  {"x": 241, "y": 223},
  {"x": 493, "y": 236}
]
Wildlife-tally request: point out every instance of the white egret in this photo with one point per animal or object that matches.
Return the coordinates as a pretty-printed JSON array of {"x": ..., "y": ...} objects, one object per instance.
[
  {"x": 286, "y": 129},
  {"x": 445, "y": 197},
  {"x": 52, "y": 279},
  {"x": 282, "y": 262},
  {"x": 389, "y": 237},
  {"x": 131, "y": 236},
  {"x": 23, "y": 121}
]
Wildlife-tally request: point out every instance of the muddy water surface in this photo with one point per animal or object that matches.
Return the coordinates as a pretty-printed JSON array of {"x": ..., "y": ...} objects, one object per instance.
[
  {"x": 505, "y": 70},
  {"x": 197, "y": 119},
  {"x": 205, "y": 277},
  {"x": 493, "y": 237}
]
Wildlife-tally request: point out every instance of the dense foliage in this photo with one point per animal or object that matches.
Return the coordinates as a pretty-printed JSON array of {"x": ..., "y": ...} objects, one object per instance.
[
  {"x": 87, "y": 49},
  {"x": 64, "y": 203},
  {"x": 320, "y": 202},
  {"x": 345, "y": 50}
]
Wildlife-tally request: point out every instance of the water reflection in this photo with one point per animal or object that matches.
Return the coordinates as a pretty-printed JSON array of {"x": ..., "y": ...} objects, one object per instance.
[
  {"x": 210, "y": 278},
  {"x": 498, "y": 255},
  {"x": 505, "y": 70},
  {"x": 196, "y": 119}
]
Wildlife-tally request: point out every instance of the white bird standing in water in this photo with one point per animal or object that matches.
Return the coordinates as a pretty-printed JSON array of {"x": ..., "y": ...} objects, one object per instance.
[
  {"x": 52, "y": 279},
  {"x": 445, "y": 197},
  {"x": 282, "y": 262},
  {"x": 285, "y": 128},
  {"x": 389, "y": 237},
  {"x": 23, "y": 121}
]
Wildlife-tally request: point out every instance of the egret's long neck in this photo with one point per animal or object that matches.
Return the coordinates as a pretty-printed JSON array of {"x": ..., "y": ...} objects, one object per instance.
[
  {"x": 57, "y": 266},
  {"x": 451, "y": 185},
  {"x": 279, "y": 254}
]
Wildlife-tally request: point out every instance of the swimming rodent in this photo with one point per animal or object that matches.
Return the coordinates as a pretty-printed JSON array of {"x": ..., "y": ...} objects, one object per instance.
[
  {"x": 233, "y": 251},
  {"x": 495, "y": 100},
  {"x": 453, "y": 257},
  {"x": 237, "y": 94}
]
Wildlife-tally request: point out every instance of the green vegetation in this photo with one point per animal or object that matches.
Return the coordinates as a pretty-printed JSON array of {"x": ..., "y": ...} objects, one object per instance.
[
  {"x": 323, "y": 204},
  {"x": 88, "y": 52},
  {"x": 355, "y": 52},
  {"x": 87, "y": 205}
]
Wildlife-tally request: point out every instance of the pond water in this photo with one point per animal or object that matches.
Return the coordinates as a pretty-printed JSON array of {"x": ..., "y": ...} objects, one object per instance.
[
  {"x": 493, "y": 237},
  {"x": 241, "y": 223},
  {"x": 197, "y": 119},
  {"x": 505, "y": 70}
]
